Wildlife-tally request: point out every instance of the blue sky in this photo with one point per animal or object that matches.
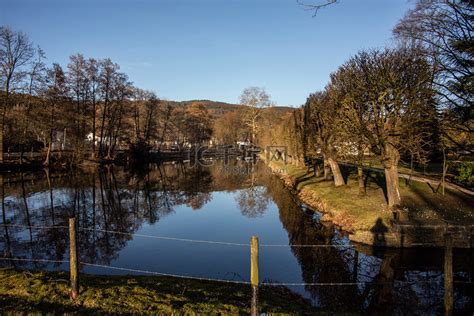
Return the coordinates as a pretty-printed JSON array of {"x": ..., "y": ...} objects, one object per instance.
[{"x": 210, "y": 49}]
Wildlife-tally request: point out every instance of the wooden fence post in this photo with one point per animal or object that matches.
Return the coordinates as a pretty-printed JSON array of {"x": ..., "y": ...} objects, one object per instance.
[
  {"x": 254, "y": 274},
  {"x": 73, "y": 268},
  {"x": 448, "y": 275}
]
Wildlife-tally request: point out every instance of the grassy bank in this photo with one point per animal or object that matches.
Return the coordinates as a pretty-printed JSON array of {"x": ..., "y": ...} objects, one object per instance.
[
  {"x": 22, "y": 291},
  {"x": 346, "y": 208}
]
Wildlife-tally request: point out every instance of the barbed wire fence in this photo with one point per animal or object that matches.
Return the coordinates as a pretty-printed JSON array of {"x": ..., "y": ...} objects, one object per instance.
[{"x": 253, "y": 248}]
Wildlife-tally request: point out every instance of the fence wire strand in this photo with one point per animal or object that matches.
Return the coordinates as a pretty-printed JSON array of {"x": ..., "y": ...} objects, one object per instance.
[
  {"x": 306, "y": 246},
  {"x": 178, "y": 239},
  {"x": 164, "y": 274},
  {"x": 34, "y": 260},
  {"x": 35, "y": 226},
  {"x": 224, "y": 280},
  {"x": 168, "y": 238}
]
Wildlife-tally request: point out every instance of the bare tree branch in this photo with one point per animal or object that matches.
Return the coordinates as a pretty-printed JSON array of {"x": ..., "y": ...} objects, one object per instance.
[{"x": 315, "y": 7}]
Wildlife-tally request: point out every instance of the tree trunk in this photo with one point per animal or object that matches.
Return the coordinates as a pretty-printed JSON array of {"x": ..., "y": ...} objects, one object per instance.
[
  {"x": 102, "y": 126},
  {"x": 254, "y": 129},
  {"x": 327, "y": 170},
  {"x": 393, "y": 190},
  {"x": 360, "y": 176},
  {"x": 5, "y": 106},
  {"x": 2, "y": 121},
  {"x": 48, "y": 153},
  {"x": 317, "y": 169},
  {"x": 336, "y": 171},
  {"x": 93, "y": 124},
  {"x": 390, "y": 158},
  {"x": 445, "y": 169},
  {"x": 300, "y": 162},
  {"x": 1, "y": 143}
]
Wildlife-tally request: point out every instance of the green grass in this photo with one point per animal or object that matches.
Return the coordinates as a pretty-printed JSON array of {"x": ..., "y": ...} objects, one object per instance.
[
  {"x": 354, "y": 212},
  {"x": 49, "y": 291}
]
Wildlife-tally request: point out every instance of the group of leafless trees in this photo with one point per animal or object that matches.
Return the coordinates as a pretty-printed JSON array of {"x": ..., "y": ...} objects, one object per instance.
[
  {"x": 91, "y": 106},
  {"x": 247, "y": 121},
  {"x": 414, "y": 99}
]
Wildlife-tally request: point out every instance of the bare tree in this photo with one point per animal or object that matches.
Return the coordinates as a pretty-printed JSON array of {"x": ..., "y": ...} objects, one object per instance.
[
  {"x": 108, "y": 72},
  {"x": 56, "y": 95},
  {"x": 197, "y": 124},
  {"x": 443, "y": 31},
  {"x": 122, "y": 90},
  {"x": 79, "y": 83},
  {"x": 315, "y": 6},
  {"x": 165, "y": 114},
  {"x": 296, "y": 138},
  {"x": 16, "y": 51},
  {"x": 324, "y": 119},
  {"x": 93, "y": 78},
  {"x": 145, "y": 122},
  {"x": 145, "y": 110},
  {"x": 254, "y": 99},
  {"x": 228, "y": 129},
  {"x": 397, "y": 88},
  {"x": 151, "y": 108},
  {"x": 354, "y": 116},
  {"x": 35, "y": 80},
  {"x": 420, "y": 134}
]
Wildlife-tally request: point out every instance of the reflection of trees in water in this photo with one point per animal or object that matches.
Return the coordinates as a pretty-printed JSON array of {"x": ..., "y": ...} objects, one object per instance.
[
  {"x": 106, "y": 201},
  {"x": 229, "y": 175},
  {"x": 253, "y": 201},
  {"x": 253, "y": 198},
  {"x": 318, "y": 265},
  {"x": 196, "y": 185},
  {"x": 109, "y": 199}
]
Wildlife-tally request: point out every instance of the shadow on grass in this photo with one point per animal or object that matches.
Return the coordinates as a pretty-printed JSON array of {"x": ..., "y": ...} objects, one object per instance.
[
  {"x": 422, "y": 197},
  {"x": 378, "y": 179},
  {"x": 347, "y": 171},
  {"x": 307, "y": 179},
  {"x": 453, "y": 206}
]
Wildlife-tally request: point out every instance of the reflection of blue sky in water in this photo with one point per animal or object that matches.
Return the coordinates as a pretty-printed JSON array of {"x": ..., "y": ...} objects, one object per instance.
[{"x": 219, "y": 220}]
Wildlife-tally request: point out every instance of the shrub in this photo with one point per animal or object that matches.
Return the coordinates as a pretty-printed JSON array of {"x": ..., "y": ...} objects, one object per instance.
[{"x": 465, "y": 174}]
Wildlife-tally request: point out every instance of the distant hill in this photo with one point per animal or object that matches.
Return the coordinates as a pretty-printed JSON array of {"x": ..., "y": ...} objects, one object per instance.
[{"x": 217, "y": 108}]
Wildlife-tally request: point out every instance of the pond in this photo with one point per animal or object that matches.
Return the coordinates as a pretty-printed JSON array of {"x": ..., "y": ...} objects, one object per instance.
[{"x": 196, "y": 219}]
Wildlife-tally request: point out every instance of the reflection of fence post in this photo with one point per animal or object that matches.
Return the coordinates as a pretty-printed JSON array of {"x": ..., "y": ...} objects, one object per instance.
[
  {"x": 448, "y": 275},
  {"x": 73, "y": 258},
  {"x": 254, "y": 274}
]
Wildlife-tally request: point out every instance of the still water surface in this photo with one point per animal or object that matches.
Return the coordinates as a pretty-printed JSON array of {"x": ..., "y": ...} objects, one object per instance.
[{"x": 118, "y": 210}]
